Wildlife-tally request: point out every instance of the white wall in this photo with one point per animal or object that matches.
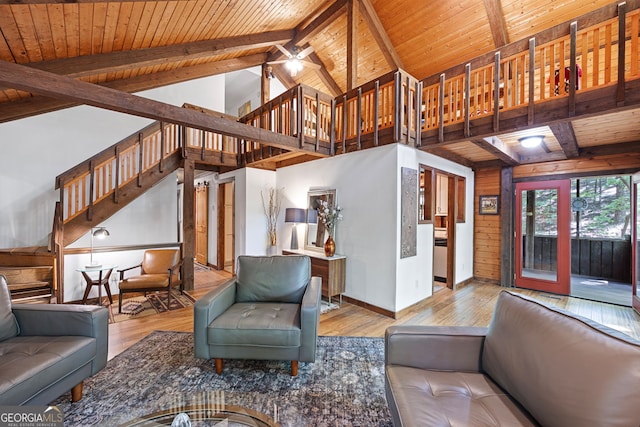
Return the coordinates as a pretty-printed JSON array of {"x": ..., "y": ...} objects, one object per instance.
[
  {"x": 37, "y": 149},
  {"x": 367, "y": 187}
]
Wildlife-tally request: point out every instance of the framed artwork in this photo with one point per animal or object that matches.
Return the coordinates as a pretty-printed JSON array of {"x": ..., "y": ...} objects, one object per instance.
[
  {"x": 489, "y": 205},
  {"x": 316, "y": 233}
]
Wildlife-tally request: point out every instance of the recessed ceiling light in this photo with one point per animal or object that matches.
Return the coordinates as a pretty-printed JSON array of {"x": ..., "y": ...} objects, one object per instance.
[{"x": 531, "y": 141}]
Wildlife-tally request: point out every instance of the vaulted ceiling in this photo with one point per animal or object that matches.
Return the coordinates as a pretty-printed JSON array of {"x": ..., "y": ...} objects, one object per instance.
[{"x": 136, "y": 45}]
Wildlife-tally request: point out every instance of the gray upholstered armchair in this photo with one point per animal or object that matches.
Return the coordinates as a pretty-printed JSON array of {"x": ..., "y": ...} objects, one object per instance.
[{"x": 271, "y": 311}]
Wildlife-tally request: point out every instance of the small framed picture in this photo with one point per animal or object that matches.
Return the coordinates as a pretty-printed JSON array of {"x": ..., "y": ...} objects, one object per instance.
[{"x": 489, "y": 205}]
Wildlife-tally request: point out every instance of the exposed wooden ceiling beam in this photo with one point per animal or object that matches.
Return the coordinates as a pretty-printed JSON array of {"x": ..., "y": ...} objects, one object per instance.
[
  {"x": 620, "y": 148},
  {"x": 502, "y": 151},
  {"x": 352, "y": 45},
  {"x": 563, "y": 132},
  {"x": 446, "y": 154},
  {"x": 324, "y": 75},
  {"x": 541, "y": 158},
  {"x": 82, "y": 66},
  {"x": 32, "y": 106},
  {"x": 308, "y": 31},
  {"x": 387, "y": 49},
  {"x": 496, "y": 23},
  {"x": 52, "y": 85}
]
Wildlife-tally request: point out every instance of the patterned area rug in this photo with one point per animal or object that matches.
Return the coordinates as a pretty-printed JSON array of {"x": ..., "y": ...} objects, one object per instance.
[
  {"x": 153, "y": 303},
  {"x": 344, "y": 387}
]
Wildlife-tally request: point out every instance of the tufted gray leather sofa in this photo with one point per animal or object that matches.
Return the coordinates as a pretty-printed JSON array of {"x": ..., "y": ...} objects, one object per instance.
[
  {"x": 48, "y": 349},
  {"x": 534, "y": 365},
  {"x": 270, "y": 311}
]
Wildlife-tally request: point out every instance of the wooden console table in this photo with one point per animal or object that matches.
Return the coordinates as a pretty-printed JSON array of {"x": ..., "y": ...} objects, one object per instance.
[{"x": 331, "y": 269}]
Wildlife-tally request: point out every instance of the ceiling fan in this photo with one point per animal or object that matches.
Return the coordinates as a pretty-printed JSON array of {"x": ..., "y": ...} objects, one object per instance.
[{"x": 295, "y": 59}]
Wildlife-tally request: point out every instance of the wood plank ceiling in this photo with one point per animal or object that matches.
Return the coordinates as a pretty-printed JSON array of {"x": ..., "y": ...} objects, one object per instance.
[{"x": 136, "y": 45}]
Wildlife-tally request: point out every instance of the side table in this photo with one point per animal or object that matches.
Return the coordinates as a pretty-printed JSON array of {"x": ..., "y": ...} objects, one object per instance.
[
  {"x": 104, "y": 273},
  {"x": 331, "y": 269}
]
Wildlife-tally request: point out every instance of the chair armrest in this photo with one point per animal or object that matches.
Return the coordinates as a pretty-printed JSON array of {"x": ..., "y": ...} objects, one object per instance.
[
  {"x": 127, "y": 269},
  {"x": 206, "y": 309},
  {"x": 310, "y": 318},
  {"x": 171, "y": 269},
  {"x": 67, "y": 319},
  {"x": 443, "y": 348}
]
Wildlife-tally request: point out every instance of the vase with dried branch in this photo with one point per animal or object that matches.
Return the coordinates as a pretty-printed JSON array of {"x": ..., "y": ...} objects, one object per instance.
[{"x": 271, "y": 203}]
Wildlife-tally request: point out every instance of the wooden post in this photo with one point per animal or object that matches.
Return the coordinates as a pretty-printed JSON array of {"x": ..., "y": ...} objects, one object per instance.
[
  {"x": 376, "y": 95},
  {"x": 359, "y": 119},
  {"x": 116, "y": 190},
  {"x": 92, "y": 178},
  {"x": 441, "y": 110},
  {"x": 467, "y": 99},
  {"x": 188, "y": 224},
  {"x": 318, "y": 121},
  {"x": 418, "y": 107},
  {"x": 573, "y": 71},
  {"x": 506, "y": 228},
  {"x": 532, "y": 83},
  {"x": 300, "y": 117},
  {"x": 344, "y": 124},
  {"x": 496, "y": 93},
  {"x": 332, "y": 128},
  {"x": 140, "y": 157},
  {"x": 398, "y": 103},
  {"x": 622, "y": 21},
  {"x": 162, "y": 148}
]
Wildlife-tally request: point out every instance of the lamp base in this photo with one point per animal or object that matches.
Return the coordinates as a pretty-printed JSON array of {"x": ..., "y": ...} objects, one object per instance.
[
  {"x": 294, "y": 237},
  {"x": 93, "y": 266}
]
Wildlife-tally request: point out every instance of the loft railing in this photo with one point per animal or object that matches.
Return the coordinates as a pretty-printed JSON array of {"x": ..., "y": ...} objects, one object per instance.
[
  {"x": 605, "y": 53},
  {"x": 333, "y": 126},
  {"x": 105, "y": 174}
]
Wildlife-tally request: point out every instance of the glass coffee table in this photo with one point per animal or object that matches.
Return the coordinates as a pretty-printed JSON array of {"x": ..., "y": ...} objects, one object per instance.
[
  {"x": 231, "y": 416},
  {"x": 208, "y": 411}
]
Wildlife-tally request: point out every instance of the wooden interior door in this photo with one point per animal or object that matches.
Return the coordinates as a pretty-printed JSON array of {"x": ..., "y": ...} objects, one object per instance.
[
  {"x": 543, "y": 240},
  {"x": 226, "y": 227},
  {"x": 202, "y": 223}
]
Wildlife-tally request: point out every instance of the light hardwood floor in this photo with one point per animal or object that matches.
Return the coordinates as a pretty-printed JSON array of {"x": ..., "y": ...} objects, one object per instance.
[{"x": 470, "y": 306}]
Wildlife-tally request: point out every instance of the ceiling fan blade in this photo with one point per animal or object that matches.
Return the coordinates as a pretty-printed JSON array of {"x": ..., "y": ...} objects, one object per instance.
[
  {"x": 306, "y": 51},
  {"x": 282, "y": 61},
  {"x": 284, "y": 51},
  {"x": 311, "y": 65}
]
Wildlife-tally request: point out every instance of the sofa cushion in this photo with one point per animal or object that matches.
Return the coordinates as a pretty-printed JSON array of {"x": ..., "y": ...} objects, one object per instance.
[
  {"x": 256, "y": 324},
  {"x": 566, "y": 370},
  {"x": 8, "y": 324},
  {"x": 31, "y": 363},
  {"x": 274, "y": 279},
  {"x": 457, "y": 399}
]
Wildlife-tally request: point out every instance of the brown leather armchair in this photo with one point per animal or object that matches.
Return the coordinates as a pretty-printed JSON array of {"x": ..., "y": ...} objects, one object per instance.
[{"x": 161, "y": 269}]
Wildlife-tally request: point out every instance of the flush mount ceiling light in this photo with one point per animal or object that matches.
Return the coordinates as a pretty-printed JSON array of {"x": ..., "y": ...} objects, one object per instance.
[{"x": 531, "y": 141}]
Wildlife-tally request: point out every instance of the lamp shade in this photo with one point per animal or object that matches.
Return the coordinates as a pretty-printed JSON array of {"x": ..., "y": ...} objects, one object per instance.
[
  {"x": 296, "y": 215},
  {"x": 312, "y": 216},
  {"x": 100, "y": 233}
]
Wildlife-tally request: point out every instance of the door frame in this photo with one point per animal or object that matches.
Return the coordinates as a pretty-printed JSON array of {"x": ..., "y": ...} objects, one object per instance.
[
  {"x": 562, "y": 284},
  {"x": 635, "y": 242}
]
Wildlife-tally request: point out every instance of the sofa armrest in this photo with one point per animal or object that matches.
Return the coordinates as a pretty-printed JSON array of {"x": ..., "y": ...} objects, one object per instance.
[
  {"x": 206, "y": 309},
  {"x": 67, "y": 319},
  {"x": 310, "y": 318},
  {"x": 443, "y": 348}
]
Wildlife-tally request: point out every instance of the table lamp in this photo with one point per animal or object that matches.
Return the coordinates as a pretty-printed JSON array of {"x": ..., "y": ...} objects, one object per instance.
[
  {"x": 296, "y": 216},
  {"x": 98, "y": 233}
]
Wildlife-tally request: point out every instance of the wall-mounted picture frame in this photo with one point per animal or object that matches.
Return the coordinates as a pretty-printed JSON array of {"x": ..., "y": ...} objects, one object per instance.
[{"x": 489, "y": 205}]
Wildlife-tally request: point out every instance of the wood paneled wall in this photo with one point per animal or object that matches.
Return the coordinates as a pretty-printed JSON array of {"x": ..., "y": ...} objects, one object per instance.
[
  {"x": 486, "y": 263},
  {"x": 487, "y": 232}
]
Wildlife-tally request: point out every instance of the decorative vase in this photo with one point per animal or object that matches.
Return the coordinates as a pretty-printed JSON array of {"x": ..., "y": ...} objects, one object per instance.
[{"x": 329, "y": 247}]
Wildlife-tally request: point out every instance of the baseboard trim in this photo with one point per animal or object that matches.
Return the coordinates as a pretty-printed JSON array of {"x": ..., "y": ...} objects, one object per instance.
[{"x": 370, "y": 307}]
